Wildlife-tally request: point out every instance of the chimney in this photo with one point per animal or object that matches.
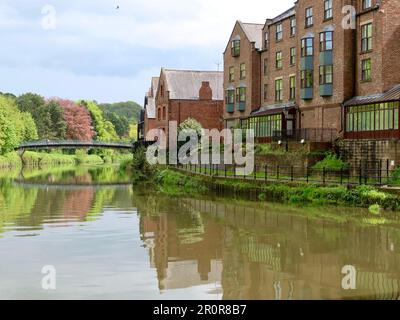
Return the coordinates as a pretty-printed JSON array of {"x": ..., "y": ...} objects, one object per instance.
[{"x": 205, "y": 92}]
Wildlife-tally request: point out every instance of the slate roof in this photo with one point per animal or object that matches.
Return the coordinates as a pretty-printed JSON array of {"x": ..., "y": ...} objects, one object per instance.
[
  {"x": 282, "y": 16},
  {"x": 253, "y": 32},
  {"x": 273, "y": 109},
  {"x": 185, "y": 84},
  {"x": 391, "y": 95}
]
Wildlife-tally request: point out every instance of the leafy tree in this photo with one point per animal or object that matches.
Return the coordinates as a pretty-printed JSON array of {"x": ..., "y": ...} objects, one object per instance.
[
  {"x": 15, "y": 126},
  {"x": 121, "y": 123},
  {"x": 129, "y": 109},
  {"x": 79, "y": 122},
  {"x": 58, "y": 125},
  {"x": 191, "y": 124},
  {"x": 105, "y": 130},
  {"x": 133, "y": 131}
]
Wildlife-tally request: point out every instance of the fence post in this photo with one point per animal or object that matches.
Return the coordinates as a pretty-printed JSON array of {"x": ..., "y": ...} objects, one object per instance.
[
  {"x": 255, "y": 172},
  {"x": 266, "y": 172},
  {"x": 387, "y": 171},
  {"x": 308, "y": 174},
  {"x": 360, "y": 177},
  {"x": 341, "y": 175},
  {"x": 324, "y": 175},
  {"x": 292, "y": 173},
  {"x": 277, "y": 172}
]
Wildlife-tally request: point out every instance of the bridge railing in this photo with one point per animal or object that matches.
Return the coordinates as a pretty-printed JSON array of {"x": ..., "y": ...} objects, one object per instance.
[{"x": 49, "y": 143}]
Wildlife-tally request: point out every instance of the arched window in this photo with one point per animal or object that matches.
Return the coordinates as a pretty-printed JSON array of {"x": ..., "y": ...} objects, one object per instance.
[
  {"x": 159, "y": 113},
  {"x": 164, "y": 114}
]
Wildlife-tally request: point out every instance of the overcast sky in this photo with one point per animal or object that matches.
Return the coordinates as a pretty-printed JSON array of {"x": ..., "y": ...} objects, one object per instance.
[{"x": 89, "y": 49}]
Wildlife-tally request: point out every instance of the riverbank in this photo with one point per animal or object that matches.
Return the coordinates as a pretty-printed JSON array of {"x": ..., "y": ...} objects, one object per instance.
[
  {"x": 30, "y": 158},
  {"x": 178, "y": 183}
]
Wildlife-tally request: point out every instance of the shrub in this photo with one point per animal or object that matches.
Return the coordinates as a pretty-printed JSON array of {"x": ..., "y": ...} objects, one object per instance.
[{"x": 332, "y": 162}]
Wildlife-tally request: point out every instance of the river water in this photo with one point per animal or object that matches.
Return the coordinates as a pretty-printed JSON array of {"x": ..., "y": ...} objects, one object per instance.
[{"x": 91, "y": 235}]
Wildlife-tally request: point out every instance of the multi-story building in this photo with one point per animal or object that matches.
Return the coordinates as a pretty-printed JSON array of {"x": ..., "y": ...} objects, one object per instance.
[
  {"x": 242, "y": 72},
  {"x": 320, "y": 69},
  {"x": 184, "y": 94},
  {"x": 148, "y": 115}
]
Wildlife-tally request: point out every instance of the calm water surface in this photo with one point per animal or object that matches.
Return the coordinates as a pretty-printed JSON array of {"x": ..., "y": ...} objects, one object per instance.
[{"x": 110, "y": 240}]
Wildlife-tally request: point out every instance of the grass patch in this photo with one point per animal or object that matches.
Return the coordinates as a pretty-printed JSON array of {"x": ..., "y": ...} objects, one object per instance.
[{"x": 331, "y": 162}]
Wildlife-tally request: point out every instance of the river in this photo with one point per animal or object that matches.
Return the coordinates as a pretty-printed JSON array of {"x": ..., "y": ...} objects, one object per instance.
[{"x": 103, "y": 238}]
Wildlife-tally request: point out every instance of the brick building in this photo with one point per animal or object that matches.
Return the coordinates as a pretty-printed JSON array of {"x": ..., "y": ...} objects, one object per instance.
[
  {"x": 315, "y": 74},
  {"x": 183, "y": 94},
  {"x": 148, "y": 115},
  {"x": 242, "y": 72}
]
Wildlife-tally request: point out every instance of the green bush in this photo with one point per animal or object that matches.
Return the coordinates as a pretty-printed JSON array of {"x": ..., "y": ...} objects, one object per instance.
[{"x": 331, "y": 162}]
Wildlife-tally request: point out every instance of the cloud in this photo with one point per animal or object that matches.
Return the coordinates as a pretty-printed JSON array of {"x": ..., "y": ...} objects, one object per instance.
[{"x": 115, "y": 51}]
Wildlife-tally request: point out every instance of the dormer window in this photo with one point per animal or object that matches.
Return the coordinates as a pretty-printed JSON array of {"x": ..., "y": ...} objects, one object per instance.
[
  {"x": 235, "y": 48},
  {"x": 366, "y": 4}
]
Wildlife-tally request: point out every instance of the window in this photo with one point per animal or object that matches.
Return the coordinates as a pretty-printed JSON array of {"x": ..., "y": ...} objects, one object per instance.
[
  {"x": 159, "y": 114},
  {"x": 292, "y": 86},
  {"x": 326, "y": 74},
  {"x": 292, "y": 56},
  {"x": 366, "y": 37},
  {"x": 266, "y": 38},
  {"x": 328, "y": 10},
  {"x": 373, "y": 117},
  {"x": 326, "y": 41},
  {"x": 264, "y": 126},
  {"x": 366, "y": 4},
  {"x": 164, "y": 113},
  {"x": 278, "y": 63},
  {"x": 235, "y": 48},
  {"x": 230, "y": 96},
  {"x": 265, "y": 66},
  {"x": 307, "y": 79},
  {"x": 243, "y": 71},
  {"x": 309, "y": 17},
  {"x": 307, "y": 47},
  {"x": 278, "y": 90},
  {"x": 162, "y": 91},
  {"x": 366, "y": 70},
  {"x": 241, "y": 94},
  {"x": 279, "y": 32},
  {"x": 265, "y": 92},
  {"x": 231, "y": 74},
  {"x": 292, "y": 27}
]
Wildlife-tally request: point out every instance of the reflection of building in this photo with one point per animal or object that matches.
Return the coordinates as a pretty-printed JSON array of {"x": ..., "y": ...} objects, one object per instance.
[
  {"x": 268, "y": 252},
  {"x": 185, "y": 252}
]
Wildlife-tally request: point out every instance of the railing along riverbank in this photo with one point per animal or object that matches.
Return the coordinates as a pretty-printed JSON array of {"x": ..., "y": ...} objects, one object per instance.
[{"x": 281, "y": 173}]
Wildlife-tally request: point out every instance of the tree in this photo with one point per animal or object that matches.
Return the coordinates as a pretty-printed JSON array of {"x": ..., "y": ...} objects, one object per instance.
[
  {"x": 79, "y": 122},
  {"x": 130, "y": 110},
  {"x": 121, "y": 123},
  {"x": 105, "y": 130},
  {"x": 58, "y": 125},
  {"x": 15, "y": 126},
  {"x": 189, "y": 125}
]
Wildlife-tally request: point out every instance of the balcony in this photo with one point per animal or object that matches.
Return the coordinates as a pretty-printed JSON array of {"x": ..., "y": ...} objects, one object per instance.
[
  {"x": 307, "y": 93},
  {"x": 241, "y": 106},
  {"x": 230, "y": 107},
  {"x": 326, "y": 90},
  {"x": 307, "y": 63},
  {"x": 326, "y": 58}
]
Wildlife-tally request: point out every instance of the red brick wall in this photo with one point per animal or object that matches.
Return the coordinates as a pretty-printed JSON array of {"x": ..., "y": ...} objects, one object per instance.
[{"x": 207, "y": 112}]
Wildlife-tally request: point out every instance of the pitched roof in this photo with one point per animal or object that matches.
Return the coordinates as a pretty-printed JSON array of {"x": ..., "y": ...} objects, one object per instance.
[
  {"x": 253, "y": 32},
  {"x": 391, "y": 95},
  {"x": 288, "y": 13},
  {"x": 151, "y": 100},
  {"x": 185, "y": 84}
]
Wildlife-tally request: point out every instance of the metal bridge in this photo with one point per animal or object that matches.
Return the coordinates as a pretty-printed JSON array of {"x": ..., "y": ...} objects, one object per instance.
[{"x": 75, "y": 144}]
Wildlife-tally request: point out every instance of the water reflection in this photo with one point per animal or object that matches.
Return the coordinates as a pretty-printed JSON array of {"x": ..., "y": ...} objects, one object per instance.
[{"x": 112, "y": 240}]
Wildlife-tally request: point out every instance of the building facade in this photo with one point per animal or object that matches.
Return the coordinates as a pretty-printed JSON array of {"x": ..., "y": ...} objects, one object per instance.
[
  {"x": 148, "y": 114},
  {"x": 320, "y": 71},
  {"x": 184, "y": 94}
]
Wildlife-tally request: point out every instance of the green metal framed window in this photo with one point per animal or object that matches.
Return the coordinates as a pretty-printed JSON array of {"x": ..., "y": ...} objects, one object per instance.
[
  {"x": 264, "y": 126},
  {"x": 373, "y": 117}
]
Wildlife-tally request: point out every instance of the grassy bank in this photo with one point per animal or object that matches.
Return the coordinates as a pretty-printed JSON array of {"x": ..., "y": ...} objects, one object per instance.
[
  {"x": 178, "y": 183},
  {"x": 30, "y": 158}
]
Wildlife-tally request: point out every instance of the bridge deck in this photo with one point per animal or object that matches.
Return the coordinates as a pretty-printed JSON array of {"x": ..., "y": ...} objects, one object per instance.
[{"x": 74, "y": 144}]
